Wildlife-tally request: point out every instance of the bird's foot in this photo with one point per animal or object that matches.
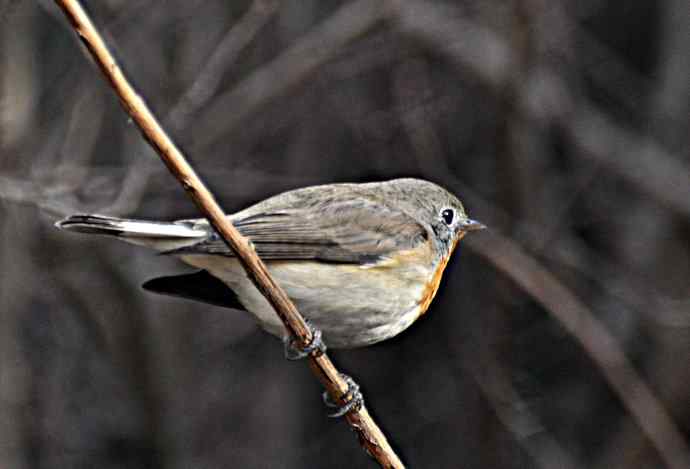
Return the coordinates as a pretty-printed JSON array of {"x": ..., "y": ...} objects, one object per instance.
[
  {"x": 294, "y": 350},
  {"x": 353, "y": 399}
]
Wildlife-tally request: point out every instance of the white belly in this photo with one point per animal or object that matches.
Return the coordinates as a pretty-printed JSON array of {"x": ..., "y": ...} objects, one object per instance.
[{"x": 352, "y": 305}]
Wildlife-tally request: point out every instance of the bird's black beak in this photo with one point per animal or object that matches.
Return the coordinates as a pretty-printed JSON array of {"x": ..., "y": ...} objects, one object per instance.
[{"x": 471, "y": 225}]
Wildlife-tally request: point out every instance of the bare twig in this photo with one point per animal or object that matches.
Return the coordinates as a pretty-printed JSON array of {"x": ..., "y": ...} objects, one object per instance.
[
  {"x": 370, "y": 436},
  {"x": 671, "y": 100},
  {"x": 575, "y": 316},
  {"x": 204, "y": 86},
  {"x": 465, "y": 43},
  {"x": 579, "y": 320},
  {"x": 514, "y": 413},
  {"x": 646, "y": 164},
  {"x": 290, "y": 68},
  {"x": 18, "y": 96},
  {"x": 642, "y": 161},
  {"x": 226, "y": 52}
]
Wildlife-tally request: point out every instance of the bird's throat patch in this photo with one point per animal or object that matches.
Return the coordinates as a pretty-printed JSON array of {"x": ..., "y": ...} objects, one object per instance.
[{"x": 432, "y": 287}]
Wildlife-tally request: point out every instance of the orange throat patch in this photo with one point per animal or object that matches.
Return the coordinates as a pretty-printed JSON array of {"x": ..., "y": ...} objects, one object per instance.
[{"x": 433, "y": 284}]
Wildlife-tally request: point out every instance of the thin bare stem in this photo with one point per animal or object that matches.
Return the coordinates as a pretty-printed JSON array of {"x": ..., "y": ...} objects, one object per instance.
[
  {"x": 226, "y": 52},
  {"x": 637, "y": 397},
  {"x": 640, "y": 160},
  {"x": 293, "y": 65},
  {"x": 370, "y": 436},
  {"x": 204, "y": 86}
]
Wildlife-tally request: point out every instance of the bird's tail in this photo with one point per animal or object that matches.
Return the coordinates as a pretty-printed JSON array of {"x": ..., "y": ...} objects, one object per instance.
[{"x": 163, "y": 236}]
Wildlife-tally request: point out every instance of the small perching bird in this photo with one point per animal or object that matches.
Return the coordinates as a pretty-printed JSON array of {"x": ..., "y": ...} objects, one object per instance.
[{"x": 360, "y": 261}]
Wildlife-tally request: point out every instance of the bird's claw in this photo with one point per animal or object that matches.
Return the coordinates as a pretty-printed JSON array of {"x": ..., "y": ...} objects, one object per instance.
[
  {"x": 294, "y": 351},
  {"x": 353, "y": 399}
]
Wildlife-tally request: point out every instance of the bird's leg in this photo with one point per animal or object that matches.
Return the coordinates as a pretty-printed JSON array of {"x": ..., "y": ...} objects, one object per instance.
[
  {"x": 294, "y": 350},
  {"x": 353, "y": 399}
]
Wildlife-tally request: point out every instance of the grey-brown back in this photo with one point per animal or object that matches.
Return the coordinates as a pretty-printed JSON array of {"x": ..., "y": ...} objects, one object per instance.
[{"x": 345, "y": 223}]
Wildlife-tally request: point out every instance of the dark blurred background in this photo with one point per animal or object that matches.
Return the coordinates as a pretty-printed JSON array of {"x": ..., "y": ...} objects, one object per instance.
[{"x": 559, "y": 338}]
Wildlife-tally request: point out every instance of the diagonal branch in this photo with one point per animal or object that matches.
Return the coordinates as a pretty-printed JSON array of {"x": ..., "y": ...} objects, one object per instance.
[
  {"x": 639, "y": 160},
  {"x": 197, "y": 95},
  {"x": 292, "y": 66},
  {"x": 206, "y": 84},
  {"x": 370, "y": 436},
  {"x": 633, "y": 392}
]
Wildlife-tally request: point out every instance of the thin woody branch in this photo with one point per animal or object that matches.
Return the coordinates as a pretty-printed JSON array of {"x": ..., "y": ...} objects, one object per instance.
[
  {"x": 633, "y": 392},
  {"x": 371, "y": 437}
]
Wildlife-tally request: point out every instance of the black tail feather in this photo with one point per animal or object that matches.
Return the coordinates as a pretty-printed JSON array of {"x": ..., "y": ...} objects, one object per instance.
[
  {"x": 85, "y": 223},
  {"x": 199, "y": 286}
]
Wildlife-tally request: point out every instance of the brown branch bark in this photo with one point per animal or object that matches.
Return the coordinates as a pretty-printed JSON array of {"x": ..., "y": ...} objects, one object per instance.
[
  {"x": 371, "y": 437},
  {"x": 204, "y": 86}
]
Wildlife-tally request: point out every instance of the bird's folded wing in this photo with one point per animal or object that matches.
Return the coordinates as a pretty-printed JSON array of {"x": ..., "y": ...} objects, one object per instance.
[{"x": 342, "y": 228}]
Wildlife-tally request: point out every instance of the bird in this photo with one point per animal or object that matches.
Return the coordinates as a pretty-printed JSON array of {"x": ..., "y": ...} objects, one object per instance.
[{"x": 361, "y": 261}]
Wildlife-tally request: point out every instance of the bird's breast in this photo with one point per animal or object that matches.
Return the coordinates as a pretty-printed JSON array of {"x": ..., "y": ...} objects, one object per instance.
[
  {"x": 353, "y": 305},
  {"x": 435, "y": 281}
]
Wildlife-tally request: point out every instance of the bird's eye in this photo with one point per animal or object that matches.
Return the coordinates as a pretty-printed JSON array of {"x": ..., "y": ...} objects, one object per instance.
[{"x": 448, "y": 214}]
